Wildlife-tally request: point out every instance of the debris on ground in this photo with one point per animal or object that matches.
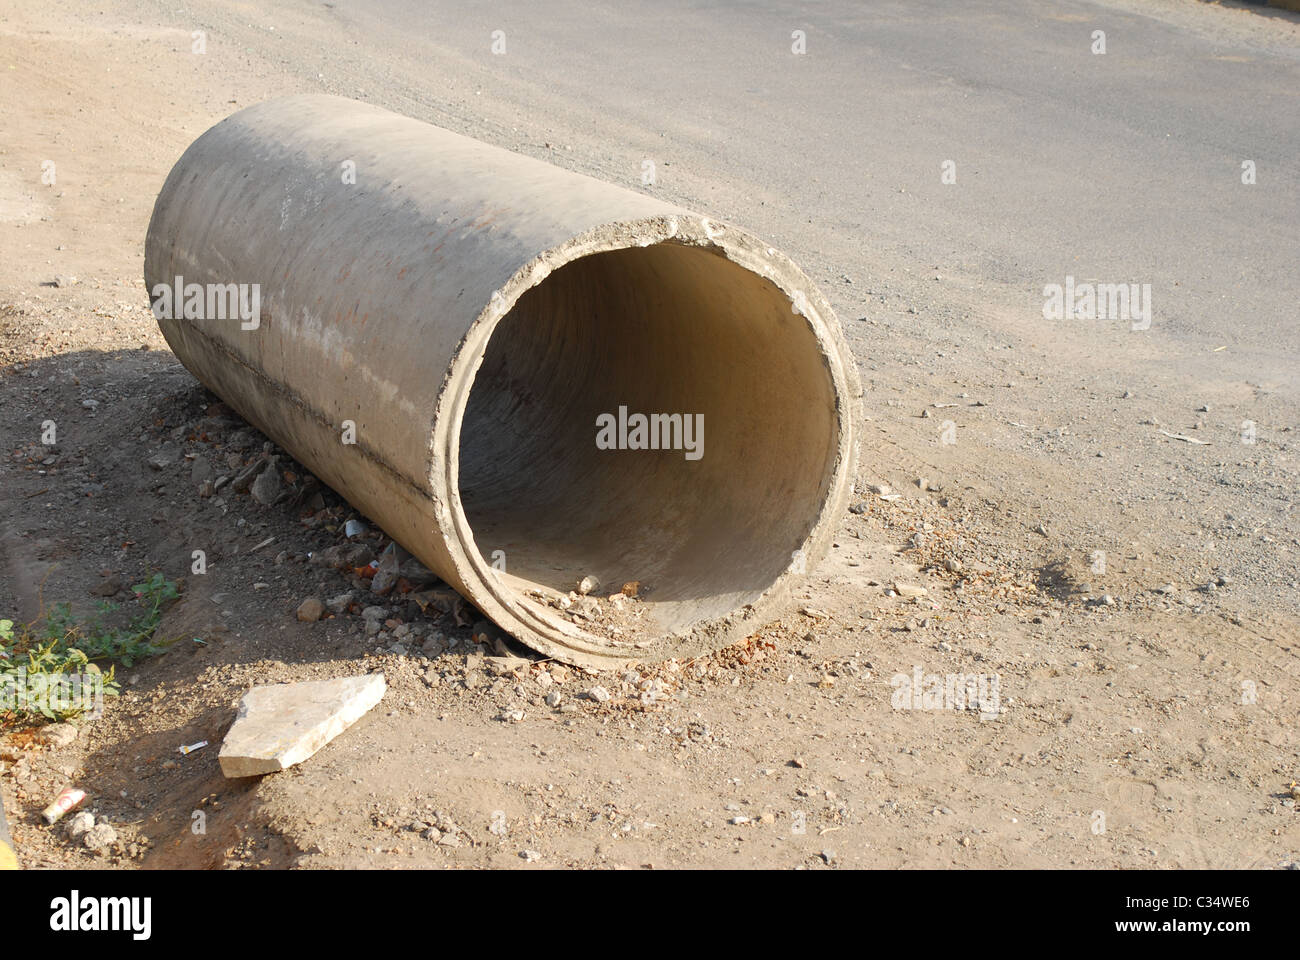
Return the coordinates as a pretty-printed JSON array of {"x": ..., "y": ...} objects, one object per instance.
[{"x": 282, "y": 725}]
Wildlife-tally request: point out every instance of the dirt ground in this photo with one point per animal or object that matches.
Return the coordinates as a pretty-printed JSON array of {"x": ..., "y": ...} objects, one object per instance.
[{"x": 1123, "y": 687}]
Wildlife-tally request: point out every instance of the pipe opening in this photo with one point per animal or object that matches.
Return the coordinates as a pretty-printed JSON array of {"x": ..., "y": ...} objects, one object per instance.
[{"x": 706, "y": 525}]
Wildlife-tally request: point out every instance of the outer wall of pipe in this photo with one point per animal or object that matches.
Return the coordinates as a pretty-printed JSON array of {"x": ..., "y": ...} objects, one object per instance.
[{"x": 480, "y": 317}]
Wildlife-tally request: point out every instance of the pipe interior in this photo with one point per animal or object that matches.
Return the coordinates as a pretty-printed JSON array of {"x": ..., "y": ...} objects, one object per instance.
[{"x": 664, "y": 329}]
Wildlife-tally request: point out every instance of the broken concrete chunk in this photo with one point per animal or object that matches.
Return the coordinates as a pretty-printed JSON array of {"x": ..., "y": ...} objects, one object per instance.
[
  {"x": 99, "y": 838},
  {"x": 501, "y": 666},
  {"x": 244, "y": 479},
  {"x": 908, "y": 589},
  {"x": 340, "y": 603},
  {"x": 282, "y": 725}
]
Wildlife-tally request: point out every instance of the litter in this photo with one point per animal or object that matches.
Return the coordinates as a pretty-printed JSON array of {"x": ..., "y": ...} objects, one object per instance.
[
  {"x": 183, "y": 751},
  {"x": 68, "y": 799}
]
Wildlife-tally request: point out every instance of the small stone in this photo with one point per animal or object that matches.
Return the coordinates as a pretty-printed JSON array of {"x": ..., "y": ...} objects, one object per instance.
[
  {"x": 245, "y": 477},
  {"x": 880, "y": 489},
  {"x": 266, "y": 489},
  {"x": 554, "y": 698},
  {"x": 588, "y": 584},
  {"x": 164, "y": 456},
  {"x": 340, "y": 603},
  {"x": 57, "y": 734},
  {"x": 388, "y": 570},
  {"x": 599, "y": 694},
  {"x": 529, "y": 856},
  {"x": 310, "y": 610},
  {"x": 952, "y": 565},
  {"x": 382, "y": 583},
  {"x": 502, "y": 666},
  {"x": 828, "y": 856},
  {"x": 99, "y": 838},
  {"x": 1167, "y": 589},
  {"x": 79, "y": 824}
]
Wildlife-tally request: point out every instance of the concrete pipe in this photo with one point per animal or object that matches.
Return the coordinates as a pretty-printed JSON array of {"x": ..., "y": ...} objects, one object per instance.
[{"x": 525, "y": 376}]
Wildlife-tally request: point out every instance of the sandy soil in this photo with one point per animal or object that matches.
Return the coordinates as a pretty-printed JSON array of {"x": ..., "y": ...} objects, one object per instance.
[{"x": 787, "y": 751}]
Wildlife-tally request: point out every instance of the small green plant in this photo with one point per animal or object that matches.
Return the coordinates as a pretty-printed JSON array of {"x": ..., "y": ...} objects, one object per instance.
[
  {"x": 44, "y": 664},
  {"x": 57, "y": 685},
  {"x": 121, "y": 645}
]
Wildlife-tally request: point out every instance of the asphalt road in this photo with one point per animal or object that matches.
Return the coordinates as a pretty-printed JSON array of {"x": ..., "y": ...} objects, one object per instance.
[{"x": 1122, "y": 167}]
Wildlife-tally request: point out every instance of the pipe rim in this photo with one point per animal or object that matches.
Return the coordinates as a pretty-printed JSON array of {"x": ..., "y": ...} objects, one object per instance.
[{"x": 502, "y": 603}]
